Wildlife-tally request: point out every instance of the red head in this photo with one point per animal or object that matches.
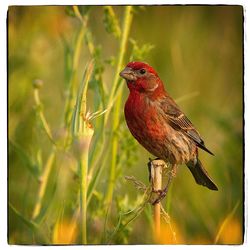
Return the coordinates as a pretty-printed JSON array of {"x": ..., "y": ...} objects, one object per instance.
[{"x": 142, "y": 77}]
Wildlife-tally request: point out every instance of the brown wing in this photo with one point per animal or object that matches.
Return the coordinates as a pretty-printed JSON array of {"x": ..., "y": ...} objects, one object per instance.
[{"x": 179, "y": 121}]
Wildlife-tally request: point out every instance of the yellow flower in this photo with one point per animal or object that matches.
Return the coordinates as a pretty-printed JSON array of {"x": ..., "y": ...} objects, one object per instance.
[
  {"x": 230, "y": 232},
  {"x": 65, "y": 232},
  {"x": 169, "y": 234}
]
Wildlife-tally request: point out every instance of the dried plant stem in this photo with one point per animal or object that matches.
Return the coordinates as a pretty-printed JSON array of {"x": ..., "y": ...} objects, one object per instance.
[{"x": 156, "y": 174}]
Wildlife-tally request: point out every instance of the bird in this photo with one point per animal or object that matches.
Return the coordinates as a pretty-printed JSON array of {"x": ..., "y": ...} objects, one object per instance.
[{"x": 159, "y": 125}]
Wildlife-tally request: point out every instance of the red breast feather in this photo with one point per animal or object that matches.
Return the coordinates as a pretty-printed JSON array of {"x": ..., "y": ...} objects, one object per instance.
[{"x": 147, "y": 123}]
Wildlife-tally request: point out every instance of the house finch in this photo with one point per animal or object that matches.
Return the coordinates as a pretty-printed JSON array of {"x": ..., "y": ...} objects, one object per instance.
[{"x": 158, "y": 124}]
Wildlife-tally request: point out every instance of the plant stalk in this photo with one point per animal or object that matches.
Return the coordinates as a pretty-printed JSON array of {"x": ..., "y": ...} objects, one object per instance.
[
  {"x": 126, "y": 28},
  {"x": 70, "y": 101},
  {"x": 42, "y": 116},
  {"x": 124, "y": 39},
  {"x": 44, "y": 182},
  {"x": 82, "y": 132},
  {"x": 81, "y": 146},
  {"x": 48, "y": 166},
  {"x": 83, "y": 191}
]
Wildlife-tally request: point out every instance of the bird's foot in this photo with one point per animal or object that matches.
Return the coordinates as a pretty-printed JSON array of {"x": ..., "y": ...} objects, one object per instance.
[
  {"x": 157, "y": 191},
  {"x": 161, "y": 195}
]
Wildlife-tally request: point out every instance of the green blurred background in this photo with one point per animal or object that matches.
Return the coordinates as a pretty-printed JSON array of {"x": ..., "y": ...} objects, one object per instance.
[{"x": 198, "y": 53}]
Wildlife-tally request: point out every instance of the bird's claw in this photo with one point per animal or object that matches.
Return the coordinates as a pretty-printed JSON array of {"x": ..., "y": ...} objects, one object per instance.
[
  {"x": 161, "y": 195},
  {"x": 157, "y": 191}
]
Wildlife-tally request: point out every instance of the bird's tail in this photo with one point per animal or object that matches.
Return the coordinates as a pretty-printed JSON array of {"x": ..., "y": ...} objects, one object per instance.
[{"x": 201, "y": 175}]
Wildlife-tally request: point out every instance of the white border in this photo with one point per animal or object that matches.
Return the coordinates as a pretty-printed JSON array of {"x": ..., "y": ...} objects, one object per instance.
[
  {"x": 3, "y": 128},
  {"x": 3, "y": 111},
  {"x": 123, "y": 2}
]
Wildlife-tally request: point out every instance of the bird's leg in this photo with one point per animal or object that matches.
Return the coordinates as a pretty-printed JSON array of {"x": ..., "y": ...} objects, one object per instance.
[
  {"x": 163, "y": 192},
  {"x": 174, "y": 170}
]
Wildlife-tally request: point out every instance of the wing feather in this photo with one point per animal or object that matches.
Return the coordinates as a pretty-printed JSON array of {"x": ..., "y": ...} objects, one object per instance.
[{"x": 179, "y": 121}]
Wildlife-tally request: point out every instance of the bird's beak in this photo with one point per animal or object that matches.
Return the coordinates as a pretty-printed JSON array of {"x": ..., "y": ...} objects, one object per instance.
[{"x": 128, "y": 74}]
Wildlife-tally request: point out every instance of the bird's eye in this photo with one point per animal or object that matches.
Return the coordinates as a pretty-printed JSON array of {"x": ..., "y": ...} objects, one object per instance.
[{"x": 142, "y": 71}]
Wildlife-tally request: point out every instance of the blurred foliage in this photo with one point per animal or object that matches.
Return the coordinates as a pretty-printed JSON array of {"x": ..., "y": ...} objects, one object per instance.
[
  {"x": 111, "y": 22},
  {"x": 196, "y": 50}
]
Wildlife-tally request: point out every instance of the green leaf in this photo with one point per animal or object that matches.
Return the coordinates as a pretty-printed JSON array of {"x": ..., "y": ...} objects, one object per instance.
[
  {"x": 94, "y": 180},
  {"x": 46, "y": 205},
  {"x": 26, "y": 221},
  {"x": 80, "y": 106},
  {"x": 111, "y": 22},
  {"x": 111, "y": 61},
  {"x": 31, "y": 166},
  {"x": 84, "y": 9},
  {"x": 69, "y": 11},
  {"x": 140, "y": 52},
  {"x": 139, "y": 8},
  {"x": 128, "y": 216},
  {"x": 68, "y": 56}
]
